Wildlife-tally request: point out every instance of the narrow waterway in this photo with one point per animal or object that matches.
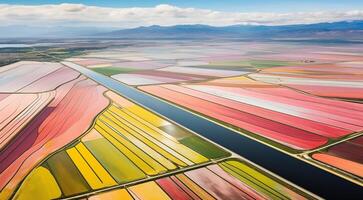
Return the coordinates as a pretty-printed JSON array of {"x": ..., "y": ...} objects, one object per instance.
[{"x": 305, "y": 175}]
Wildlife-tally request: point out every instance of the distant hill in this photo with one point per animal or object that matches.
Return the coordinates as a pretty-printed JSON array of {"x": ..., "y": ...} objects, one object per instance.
[
  {"x": 346, "y": 30},
  {"x": 335, "y": 30}
]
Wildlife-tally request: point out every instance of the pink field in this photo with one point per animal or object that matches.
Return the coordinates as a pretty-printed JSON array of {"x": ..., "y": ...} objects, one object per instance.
[
  {"x": 290, "y": 136},
  {"x": 329, "y": 91},
  {"x": 342, "y": 80},
  {"x": 304, "y": 124},
  {"x": 172, "y": 189},
  {"x": 219, "y": 187},
  {"x": 68, "y": 116},
  {"x": 17, "y": 111},
  {"x": 24, "y": 73},
  {"x": 51, "y": 81}
]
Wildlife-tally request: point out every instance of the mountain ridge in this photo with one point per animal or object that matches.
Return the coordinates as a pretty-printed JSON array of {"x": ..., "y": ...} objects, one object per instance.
[{"x": 332, "y": 30}]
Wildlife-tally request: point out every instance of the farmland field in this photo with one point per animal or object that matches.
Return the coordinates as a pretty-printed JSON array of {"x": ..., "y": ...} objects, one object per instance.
[{"x": 67, "y": 126}]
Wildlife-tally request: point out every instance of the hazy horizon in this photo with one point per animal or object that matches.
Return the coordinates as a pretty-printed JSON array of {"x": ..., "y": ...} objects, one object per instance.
[{"x": 43, "y": 16}]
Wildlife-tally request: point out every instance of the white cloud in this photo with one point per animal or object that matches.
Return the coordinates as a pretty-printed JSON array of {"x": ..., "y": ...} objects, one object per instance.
[{"x": 83, "y": 15}]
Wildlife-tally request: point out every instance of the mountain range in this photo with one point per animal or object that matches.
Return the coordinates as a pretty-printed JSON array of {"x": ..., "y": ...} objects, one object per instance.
[
  {"x": 345, "y": 30},
  {"x": 336, "y": 30}
]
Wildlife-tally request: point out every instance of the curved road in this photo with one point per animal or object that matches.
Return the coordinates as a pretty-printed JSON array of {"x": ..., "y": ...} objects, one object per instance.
[{"x": 313, "y": 179}]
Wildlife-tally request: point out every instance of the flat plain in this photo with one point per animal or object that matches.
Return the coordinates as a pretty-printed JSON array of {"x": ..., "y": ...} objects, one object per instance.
[{"x": 66, "y": 132}]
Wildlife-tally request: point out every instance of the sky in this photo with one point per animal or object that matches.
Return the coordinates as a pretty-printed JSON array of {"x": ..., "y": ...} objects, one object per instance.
[
  {"x": 220, "y": 5},
  {"x": 134, "y": 13}
]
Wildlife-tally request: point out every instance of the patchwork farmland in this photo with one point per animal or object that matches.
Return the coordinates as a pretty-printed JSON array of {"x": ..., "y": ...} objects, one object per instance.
[{"x": 62, "y": 128}]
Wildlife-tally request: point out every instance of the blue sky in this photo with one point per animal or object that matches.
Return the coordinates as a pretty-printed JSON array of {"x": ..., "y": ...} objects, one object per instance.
[{"x": 221, "y": 5}]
